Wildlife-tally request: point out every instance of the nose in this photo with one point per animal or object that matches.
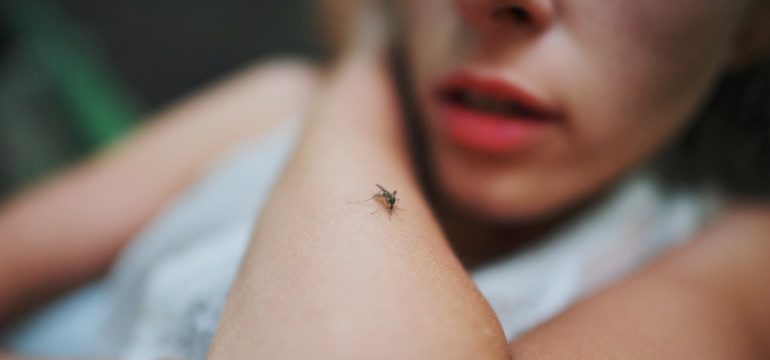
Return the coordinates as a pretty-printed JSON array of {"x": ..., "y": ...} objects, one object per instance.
[{"x": 525, "y": 14}]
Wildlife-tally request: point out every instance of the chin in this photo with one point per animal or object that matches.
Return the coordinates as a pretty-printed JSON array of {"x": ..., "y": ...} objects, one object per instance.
[{"x": 506, "y": 198}]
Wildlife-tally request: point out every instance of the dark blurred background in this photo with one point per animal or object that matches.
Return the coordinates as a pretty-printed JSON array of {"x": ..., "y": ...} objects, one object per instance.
[{"x": 76, "y": 74}]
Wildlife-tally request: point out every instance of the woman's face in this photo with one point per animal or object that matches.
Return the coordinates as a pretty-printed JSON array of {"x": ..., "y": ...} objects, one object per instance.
[{"x": 531, "y": 106}]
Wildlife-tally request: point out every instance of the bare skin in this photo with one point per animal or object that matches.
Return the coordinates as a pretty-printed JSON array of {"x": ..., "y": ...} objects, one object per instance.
[
  {"x": 705, "y": 301},
  {"x": 68, "y": 230}
]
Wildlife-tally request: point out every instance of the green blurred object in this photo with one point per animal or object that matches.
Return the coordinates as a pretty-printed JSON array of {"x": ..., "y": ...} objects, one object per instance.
[
  {"x": 59, "y": 99},
  {"x": 100, "y": 109}
]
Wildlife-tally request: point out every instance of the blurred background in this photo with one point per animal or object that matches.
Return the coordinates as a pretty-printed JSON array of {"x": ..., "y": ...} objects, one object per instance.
[{"x": 76, "y": 75}]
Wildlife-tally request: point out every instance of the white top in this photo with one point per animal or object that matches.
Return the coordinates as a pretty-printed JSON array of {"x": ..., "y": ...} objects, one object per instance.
[{"x": 164, "y": 296}]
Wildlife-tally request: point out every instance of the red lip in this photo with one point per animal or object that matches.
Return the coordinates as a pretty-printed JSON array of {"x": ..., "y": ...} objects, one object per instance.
[{"x": 524, "y": 122}]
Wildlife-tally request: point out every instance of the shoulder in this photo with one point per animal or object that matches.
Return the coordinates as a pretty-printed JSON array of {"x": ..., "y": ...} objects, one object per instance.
[
  {"x": 285, "y": 76},
  {"x": 738, "y": 241},
  {"x": 754, "y": 212},
  {"x": 250, "y": 102},
  {"x": 744, "y": 222},
  {"x": 706, "y": 300},
  {"x": 294, "y": 79},
  {"x": 729, "y": 263}
]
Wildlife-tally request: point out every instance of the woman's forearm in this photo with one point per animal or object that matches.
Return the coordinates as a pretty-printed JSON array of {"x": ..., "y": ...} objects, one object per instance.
[{"x": 327, "y": 278}]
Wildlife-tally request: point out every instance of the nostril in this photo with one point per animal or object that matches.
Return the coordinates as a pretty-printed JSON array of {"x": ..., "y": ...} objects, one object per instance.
[
  {"x": 513, "y": 13},
  {"x": 533, "y": 15}
]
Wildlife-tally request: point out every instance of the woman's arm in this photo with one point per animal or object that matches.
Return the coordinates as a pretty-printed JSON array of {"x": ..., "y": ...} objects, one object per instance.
[
  {"x": 710, "y": 300},
  {"x": 68, "y": 230},
  {"x": 327, "y": 278}
]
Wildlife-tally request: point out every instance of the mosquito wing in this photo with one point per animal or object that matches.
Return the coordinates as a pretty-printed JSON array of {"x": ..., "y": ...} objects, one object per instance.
[{"x": 383, "y": 189}]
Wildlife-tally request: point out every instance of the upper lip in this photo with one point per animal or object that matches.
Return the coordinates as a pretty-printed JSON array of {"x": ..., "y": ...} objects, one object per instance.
[{"x": 522, "y": 102}]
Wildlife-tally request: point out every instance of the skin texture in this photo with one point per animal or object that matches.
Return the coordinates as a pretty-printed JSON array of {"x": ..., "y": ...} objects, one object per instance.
[{"x": 628, "y": 75}]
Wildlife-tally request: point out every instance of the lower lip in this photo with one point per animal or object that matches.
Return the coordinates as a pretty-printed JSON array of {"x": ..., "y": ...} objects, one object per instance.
[{"x": 489, "y": 133}]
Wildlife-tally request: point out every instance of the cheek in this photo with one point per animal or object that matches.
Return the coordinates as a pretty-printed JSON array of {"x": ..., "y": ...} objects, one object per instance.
[{"x": 646, "y": 66}]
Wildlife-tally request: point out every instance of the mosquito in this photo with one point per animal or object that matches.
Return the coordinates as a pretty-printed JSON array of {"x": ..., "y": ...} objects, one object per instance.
[{"x": 388, "y": 199}]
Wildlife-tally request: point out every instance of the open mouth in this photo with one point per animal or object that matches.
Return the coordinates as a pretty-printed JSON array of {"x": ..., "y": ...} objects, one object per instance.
[
  {"x": 493, "y": 97},
  {"x": 491, "y": 104},
  {"x": 492, "y": 116}
]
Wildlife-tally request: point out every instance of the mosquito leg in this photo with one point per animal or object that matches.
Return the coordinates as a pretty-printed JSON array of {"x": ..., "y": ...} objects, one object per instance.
[{"x": 359, "y": 202}]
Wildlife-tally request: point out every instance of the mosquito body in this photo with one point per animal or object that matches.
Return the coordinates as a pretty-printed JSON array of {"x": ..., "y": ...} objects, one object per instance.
[{"x": 387, "y": 198}]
